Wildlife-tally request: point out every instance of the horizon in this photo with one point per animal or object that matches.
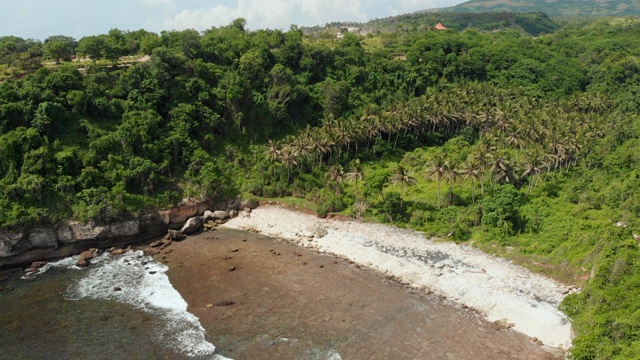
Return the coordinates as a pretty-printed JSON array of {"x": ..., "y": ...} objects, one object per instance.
[{"x": 78, "y": 19}]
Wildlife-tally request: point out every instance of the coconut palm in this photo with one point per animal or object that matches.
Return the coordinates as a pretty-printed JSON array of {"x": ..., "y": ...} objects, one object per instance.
[
  {"x": 288, "y": 158},
  {"x": 451, "y": 174},
  {"x": 472, "y": 170},
  {"x": 404, "y": 179},
  {"x": 355, "y": 175},
  {"x": 336, "y": 176},
  {"x": 436, "y": 170}
]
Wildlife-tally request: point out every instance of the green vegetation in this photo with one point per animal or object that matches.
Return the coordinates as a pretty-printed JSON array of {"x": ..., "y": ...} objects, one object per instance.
[
  {"x": 527, "y": 147},
  {"x": 582, "y": 8}
]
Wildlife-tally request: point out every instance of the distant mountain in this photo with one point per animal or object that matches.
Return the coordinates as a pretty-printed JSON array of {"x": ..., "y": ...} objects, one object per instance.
[{"x": 582, "y": 8}]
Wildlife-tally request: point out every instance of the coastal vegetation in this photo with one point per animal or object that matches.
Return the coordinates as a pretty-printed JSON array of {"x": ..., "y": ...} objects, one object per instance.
[{"x": 528, "y": 147}]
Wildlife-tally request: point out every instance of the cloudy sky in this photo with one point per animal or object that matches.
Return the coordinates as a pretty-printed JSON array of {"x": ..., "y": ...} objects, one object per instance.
[{"x": 39, "y": 19}]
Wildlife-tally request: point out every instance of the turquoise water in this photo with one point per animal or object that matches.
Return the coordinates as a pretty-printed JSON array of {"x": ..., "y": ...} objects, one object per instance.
[{"x": 120, "y": 308}]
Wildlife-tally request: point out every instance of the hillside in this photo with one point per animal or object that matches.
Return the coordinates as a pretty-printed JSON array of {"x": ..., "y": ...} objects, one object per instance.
[
  {"x": 529, "y": 23},
  {"x": 523, "y": 146},
  {"x": 581, "y": 8}
]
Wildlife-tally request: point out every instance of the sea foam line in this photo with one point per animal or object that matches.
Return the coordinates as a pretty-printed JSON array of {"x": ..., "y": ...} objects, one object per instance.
[{"x": 141, "y": 282}]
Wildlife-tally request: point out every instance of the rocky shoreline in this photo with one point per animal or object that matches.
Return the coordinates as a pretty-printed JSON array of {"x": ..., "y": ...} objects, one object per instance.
[
  {"x": 507, "y": 295},
  {"x": 71, "y": 238}
]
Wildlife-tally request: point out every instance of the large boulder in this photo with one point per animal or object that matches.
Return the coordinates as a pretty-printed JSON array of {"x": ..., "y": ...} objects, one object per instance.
[
  {"x": 65, "y": 234},
  {"x": 192, "y": 225},
  {"x": 251, "y": 204},
  {"x": 88, "y": 232},
  {"x": 208, "y": 214},
  {"x": 152, "y": 224},
  {"x": 220, "y": 215},
  {"x": 180, "y": 214},
  {"x": 12, "y": 244},
  {"x": 43, "y": 238},
  {"x": 124, "y": 228}
]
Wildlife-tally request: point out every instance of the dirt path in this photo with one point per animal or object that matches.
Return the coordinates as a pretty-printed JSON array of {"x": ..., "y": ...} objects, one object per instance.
[{"x": 290, "y": 302}]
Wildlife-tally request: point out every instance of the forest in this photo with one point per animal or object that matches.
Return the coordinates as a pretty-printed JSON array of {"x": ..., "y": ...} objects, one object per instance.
[{"x": 527, "y": 147}]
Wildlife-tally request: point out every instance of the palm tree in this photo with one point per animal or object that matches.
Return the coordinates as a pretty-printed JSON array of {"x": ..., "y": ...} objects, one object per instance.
[
  {"x": 336, "y": 176},
  {"x": 451, "y": 173},
  {"x": 473, "y": 171},
  {"x": 355, "y": 175},
  {"x": 288, "y": 158},
  {"x": 501, "y": 169},
  {"x": 402, "y": 177},
  {"x": 532, "y": 165},
  {"x": 436, "y": 170}
]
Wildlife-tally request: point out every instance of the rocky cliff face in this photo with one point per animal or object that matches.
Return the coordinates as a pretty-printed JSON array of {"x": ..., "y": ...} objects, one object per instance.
[{"x": 68, "y": 238}]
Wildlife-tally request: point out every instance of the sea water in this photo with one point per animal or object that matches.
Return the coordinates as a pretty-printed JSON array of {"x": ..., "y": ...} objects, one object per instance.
[{"x": 119, "y": 307}]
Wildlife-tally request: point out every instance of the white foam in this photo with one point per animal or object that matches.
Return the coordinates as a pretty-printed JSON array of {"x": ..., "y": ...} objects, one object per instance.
[{"x": 140, "y": 281}]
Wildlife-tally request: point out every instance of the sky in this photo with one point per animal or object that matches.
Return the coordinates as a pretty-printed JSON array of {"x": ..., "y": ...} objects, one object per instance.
[{"x": 39, "y": 19}]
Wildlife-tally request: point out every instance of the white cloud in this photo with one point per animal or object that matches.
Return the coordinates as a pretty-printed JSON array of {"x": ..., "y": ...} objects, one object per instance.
[{"x": 270, "y": 14}]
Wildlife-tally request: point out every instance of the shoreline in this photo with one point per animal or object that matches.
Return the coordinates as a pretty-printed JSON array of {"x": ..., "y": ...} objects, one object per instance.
[
  {"x": 261, "y": 297},
  {"x": 502, "y": 292}
]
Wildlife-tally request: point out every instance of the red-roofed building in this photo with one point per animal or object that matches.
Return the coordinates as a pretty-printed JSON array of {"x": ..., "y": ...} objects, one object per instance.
[{"x": 440, "y": 27}]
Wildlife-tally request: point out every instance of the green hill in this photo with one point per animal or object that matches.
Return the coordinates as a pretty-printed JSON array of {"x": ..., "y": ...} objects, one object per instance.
[{"x": 582, "y": 8}]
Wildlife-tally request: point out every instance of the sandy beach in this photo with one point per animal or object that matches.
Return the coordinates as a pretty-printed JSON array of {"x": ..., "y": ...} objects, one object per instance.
[
  {"x": 495, "y": 287},
  {"x": 258, "y": 297}
]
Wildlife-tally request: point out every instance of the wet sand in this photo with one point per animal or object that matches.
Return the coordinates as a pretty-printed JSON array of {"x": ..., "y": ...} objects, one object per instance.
[{"x": 290, "y": 302}]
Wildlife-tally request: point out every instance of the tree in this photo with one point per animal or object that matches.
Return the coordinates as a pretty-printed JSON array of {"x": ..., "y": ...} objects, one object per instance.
[
  {"x": 91, "y": 46},
  {"x": 400, "y": 176},
  {"x": 355, "y": 175},
  {"x": 436, "y": 170},
  {"x": 473, "y": 171},
  {"x": 59, "y": 48}
]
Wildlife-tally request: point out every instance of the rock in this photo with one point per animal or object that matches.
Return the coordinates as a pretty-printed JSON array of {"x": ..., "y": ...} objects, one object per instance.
[
  {"x": 234, "y": 250},
  {"x": 225, "y": 303},
  {"x": 220, "y": 215},
  {"x": 207, "y": 215},
  {"x": 233, "y": 213},
  {"x": 117, "y": 288},
  {"x": 122, "y": 229},
  {"x": 621, "y": 224},
  {"x": 636, "y": 237},
  {"x": 89, "y": 254},
  {"x": 115, "y": 252},
  {"x": 43, "y": 238},
  {"x": 160, "y": 243},
  {"x": 180, "y": 214},
  {"x": 175, "y": 234},
  {"x": 82, "y": 262},
  {"x": 37, "y": 265},
  {"x": 87, "y": 232},
  {"x": 233, "y": 268},
  {"x": 12, "y": 244},
  {"x": 251, "y": 204},
  {"x": 192, "y": 225},
  {"x": 64, "y": 234}
]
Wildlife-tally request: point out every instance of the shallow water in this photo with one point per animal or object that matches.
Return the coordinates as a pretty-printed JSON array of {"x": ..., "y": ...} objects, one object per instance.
[{"x": 73, "y": 313}]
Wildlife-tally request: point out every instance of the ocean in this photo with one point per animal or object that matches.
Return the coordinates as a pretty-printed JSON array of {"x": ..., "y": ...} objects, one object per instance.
[{"x": 120, "y": 307}]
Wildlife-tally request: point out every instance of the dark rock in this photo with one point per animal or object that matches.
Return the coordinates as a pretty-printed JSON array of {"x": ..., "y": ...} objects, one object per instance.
[
  {"x": 192, "y": 225},
  {"x": 43, "y": 238},
  {"x": 117, "y": 288},
  {"x": 224, "y": 303},
  {"x": 251, "y": 204},
  {"x": 220, "y": 215},
  {"x": 175, "y": 234},
  {"x": 124, "y": 229}
]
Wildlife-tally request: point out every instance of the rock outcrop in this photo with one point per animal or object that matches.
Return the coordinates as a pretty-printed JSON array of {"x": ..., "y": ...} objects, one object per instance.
[{"x": 69, "y": 238}]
